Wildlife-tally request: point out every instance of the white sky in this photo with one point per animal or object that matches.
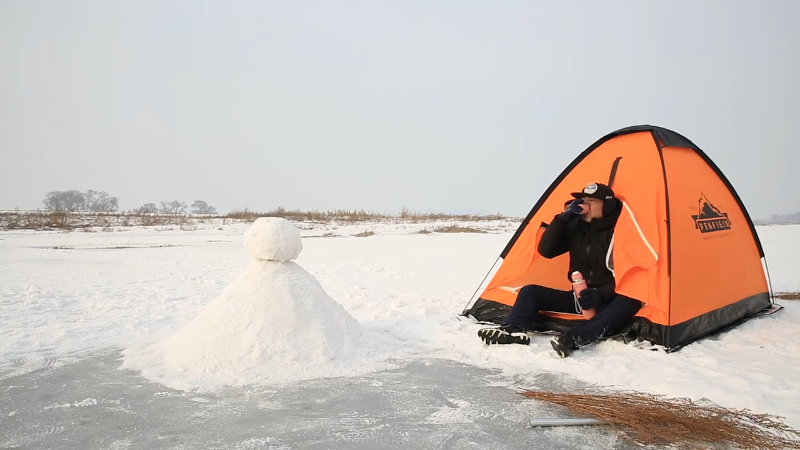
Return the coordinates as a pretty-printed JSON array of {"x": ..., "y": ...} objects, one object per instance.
[{"x": 432, "y": 105}]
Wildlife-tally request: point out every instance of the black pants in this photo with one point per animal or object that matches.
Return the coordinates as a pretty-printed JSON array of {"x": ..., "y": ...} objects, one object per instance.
[{"x": 610, "y": 317}]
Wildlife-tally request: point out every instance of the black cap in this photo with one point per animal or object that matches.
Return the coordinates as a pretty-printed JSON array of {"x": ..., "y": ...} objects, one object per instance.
[{"x": 595, "y": 190}]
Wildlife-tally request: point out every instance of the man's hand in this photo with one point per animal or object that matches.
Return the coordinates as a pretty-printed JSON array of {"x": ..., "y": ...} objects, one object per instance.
[
  {"x": 590, "y": 298},
  {"x": 572, "y": 211}
]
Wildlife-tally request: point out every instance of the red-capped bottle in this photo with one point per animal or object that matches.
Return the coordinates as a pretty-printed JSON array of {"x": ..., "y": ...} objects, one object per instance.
[{"x": 578, "y": 285}]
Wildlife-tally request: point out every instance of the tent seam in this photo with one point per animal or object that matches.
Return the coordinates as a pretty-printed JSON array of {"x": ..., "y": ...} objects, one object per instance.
[{"x": 639, "y": 229}]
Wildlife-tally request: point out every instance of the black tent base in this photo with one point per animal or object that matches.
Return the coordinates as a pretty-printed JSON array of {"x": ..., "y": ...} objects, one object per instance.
[
  {"x": 640, "y": 329},
  {"x": 556, "y": 328}
]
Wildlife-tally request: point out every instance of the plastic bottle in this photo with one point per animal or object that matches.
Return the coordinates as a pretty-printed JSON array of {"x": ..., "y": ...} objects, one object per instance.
[{"x": 578, "y": 285}]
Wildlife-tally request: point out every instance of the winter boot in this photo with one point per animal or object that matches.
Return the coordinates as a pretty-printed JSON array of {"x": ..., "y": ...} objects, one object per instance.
[
  {"x": 563, "y": 344},
  {"x": 506, "y": 334}
]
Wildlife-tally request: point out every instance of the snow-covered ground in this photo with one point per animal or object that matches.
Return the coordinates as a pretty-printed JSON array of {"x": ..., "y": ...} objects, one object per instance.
[{"x": 62, "y": 293}]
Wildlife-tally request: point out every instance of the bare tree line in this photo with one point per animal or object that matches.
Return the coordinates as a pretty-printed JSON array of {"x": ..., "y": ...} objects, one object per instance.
[
  {"x": 94, "y": 201},
  {"x": 73, "y": 200},
  {"x": 176, "y": 207}
]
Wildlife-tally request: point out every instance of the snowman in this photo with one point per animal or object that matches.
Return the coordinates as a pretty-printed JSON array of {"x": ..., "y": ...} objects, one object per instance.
[{"x": 274, "y": 317}]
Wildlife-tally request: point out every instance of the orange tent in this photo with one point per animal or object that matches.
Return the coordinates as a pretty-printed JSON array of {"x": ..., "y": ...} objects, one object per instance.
[{"x": 684, "y": 243}]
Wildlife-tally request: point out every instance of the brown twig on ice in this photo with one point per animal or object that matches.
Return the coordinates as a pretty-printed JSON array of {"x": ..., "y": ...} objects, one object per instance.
[{"x": 657, "y": 420}]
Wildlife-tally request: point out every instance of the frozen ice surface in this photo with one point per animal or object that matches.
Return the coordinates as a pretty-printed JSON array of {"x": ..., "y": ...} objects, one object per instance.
[
  {"x": 62, "y": 293},
  {"x": 89, "y": 403}
]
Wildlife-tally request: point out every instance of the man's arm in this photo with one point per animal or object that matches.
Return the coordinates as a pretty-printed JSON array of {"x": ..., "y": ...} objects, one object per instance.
[{"x": 554, "y": 239}]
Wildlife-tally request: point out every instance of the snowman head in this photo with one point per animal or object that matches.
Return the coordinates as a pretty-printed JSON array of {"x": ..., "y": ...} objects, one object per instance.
[{"x": 273, "y": 239}]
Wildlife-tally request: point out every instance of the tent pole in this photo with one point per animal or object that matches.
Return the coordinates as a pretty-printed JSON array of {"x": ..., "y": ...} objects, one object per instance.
[
  {"x": 479, "y": 286},
  {"x": 769, "y": 281}
]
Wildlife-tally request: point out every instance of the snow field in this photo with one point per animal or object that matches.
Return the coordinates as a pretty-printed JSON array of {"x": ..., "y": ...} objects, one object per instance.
[{"x": 403, "y": 288}]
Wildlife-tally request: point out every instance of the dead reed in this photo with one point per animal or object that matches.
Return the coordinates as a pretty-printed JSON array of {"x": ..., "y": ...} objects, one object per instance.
[
  {"x": 456, "y": 229},
  {"x": 651, "y": 419},
  {"x": 63, "y": 220}
]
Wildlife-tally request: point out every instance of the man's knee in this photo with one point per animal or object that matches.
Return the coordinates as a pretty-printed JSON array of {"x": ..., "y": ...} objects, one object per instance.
[
  {"x": 529, "y": 297},
  {"x": 626, "y": 304},
  {"x": 531, "y": 291}
]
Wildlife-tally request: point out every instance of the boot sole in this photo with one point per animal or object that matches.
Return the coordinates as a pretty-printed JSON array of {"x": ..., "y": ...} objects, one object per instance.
[
  {"x": 490, "y": 337},
  {"x": 559, "y": 348}
]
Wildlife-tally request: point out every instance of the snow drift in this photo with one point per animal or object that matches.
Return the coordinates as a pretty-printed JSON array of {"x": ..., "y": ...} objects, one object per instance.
[{"x": 273, "y": 321}]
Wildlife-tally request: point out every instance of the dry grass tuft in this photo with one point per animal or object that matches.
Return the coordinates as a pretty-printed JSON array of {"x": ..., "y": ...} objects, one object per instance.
[
  {"x": 365, "y": 234},
  {"x": 326, "y": 235},
  {"x": 68, "y": 221},
  {"x": 297, "y": 215},
  {"x": 788, "y": 295},
  {"x": 650, "y": 419},
  {"x": 37, "y": 220},
  {"x": 456, "y": 229},
  {"x": 359, "y": 215},
  {"x": 45, "y": 220}
]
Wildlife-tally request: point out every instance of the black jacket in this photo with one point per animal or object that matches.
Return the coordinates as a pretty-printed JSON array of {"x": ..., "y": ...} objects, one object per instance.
[{"x": 587, "y": 244}]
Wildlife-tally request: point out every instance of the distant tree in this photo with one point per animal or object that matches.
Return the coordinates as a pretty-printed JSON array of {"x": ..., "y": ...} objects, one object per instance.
[
  {"x": 785, "y": 218},
  {"x": 74, "y": 200},
  {"x": 53, "y": 201},
  {"x": 173, "y": 207},
  {"x": 147, "y": 208},
  {"x": 64, "y": 201},
  {"x": 201, "y": 207},
  {"x": 90, "y": 197},
  {"x": 101, "y": 202},
  {"x": 178, "y": 207}
]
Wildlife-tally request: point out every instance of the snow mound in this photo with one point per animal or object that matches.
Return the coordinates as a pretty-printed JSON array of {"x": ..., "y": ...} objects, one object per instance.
[
  {"x": 273, "y": 239},
  {"x": 274, "y": 318},
  {"x": 273, "y": 323}
]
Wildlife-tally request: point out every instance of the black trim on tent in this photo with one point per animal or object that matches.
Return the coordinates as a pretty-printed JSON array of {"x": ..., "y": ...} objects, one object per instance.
[
  {"x": 672, "y": 338},
  {"x": 669, "y": 138},
  {"x": 669, "y": 226},
  {"x": 666, "y": 138},
  {"x": 666, "y": 199},
  {"x": 614, "y": 168},
  {"x": 495, "y": 312},
  {"x": 488, "y": 311},
  {"x": 709, "y": 323}
]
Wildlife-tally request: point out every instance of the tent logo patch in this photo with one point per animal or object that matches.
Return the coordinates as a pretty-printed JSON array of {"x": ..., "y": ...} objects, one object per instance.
[{"x": 709, "y": 218}]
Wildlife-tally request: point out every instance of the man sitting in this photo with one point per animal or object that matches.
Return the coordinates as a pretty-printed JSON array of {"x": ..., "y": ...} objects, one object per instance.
[{"x": 584, "y": 229}]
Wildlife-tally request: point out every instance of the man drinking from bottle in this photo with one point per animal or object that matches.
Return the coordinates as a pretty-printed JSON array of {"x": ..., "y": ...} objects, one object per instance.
[{"x": 584, "y": 229}]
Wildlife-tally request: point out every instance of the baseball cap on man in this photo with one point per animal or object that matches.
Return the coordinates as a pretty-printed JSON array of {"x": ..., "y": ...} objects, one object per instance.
[{"x": 595, "y": 190}]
